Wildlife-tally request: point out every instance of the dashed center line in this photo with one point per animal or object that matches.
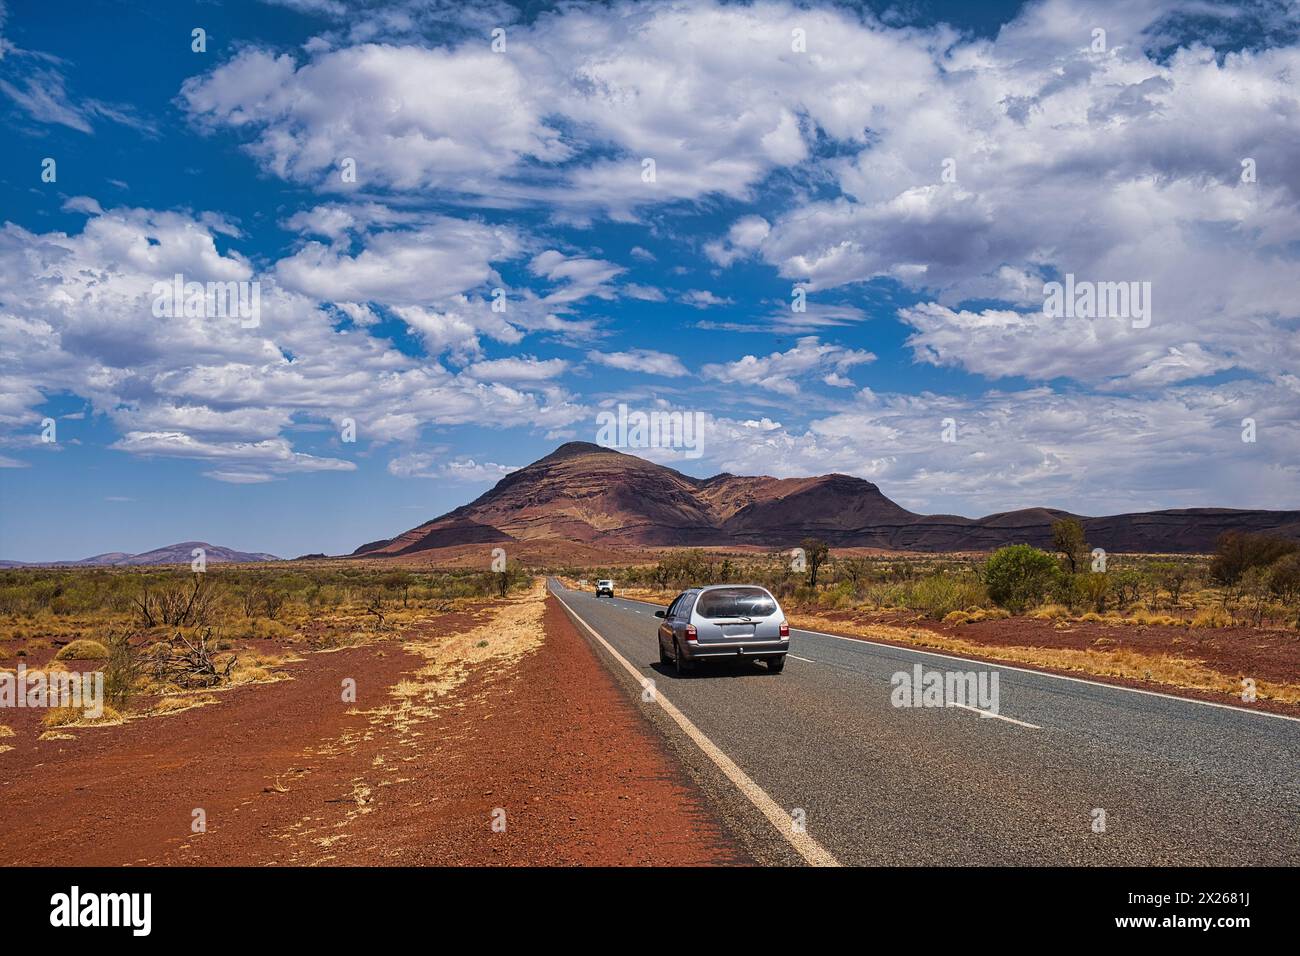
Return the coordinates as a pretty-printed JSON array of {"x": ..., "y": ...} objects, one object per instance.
[
  {"x": 982, "y": 713},
  {"x": 989, "y": 713}
]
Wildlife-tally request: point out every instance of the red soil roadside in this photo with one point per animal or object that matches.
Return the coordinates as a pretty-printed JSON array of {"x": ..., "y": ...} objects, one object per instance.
[
  {"x": 1262, "y": 653},
  {"x": 288, "y": 774}
]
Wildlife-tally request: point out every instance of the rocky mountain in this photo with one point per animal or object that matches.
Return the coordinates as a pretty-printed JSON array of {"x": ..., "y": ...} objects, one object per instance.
[
  {"x": 586, "y": 493},
  {"x": 181, "y": 553}
]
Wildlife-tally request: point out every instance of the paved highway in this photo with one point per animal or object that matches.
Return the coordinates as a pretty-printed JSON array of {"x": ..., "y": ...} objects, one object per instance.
[{"x": 821, "y": 744}]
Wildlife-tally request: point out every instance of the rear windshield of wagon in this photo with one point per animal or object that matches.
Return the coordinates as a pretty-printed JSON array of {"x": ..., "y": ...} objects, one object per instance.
[{"x": 735, "y": 602}]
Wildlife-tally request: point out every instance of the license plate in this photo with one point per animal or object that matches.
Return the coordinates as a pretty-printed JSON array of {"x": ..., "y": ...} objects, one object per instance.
[{"x": 738, "y": 630}]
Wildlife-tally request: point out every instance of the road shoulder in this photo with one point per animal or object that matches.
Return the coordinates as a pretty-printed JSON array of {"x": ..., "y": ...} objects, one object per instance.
[{"x": 496, "y": 738}]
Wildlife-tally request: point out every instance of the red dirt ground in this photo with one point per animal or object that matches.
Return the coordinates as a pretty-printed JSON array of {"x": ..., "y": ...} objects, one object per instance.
[
  {"x": 286, "y": 775},
  {"x": 1263, "y": 653},
  {"x": 1270, "y": 654}
]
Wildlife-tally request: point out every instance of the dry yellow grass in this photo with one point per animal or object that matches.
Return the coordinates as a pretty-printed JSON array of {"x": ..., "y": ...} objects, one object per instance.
[
  {"x": 6, "y": 730},
  {"x": 1102, "y": 661},
  {"x": 38, "y": 673},
  {"x": 514, "y": 629},
  {"x": 260, "y": 629},
  {"x": 503, "y": 633},
  {"x": 976, "y": 614},
  {"x": 77, "y": 717},
  {"x": 253, "y": 668},
  {"x": 1149, "y": 618},
  {"x": 83, "y": 649},
  {"x": 1212, "y": 616},
  {"x": 48, "y": 626},
  {"x": 175, "y": 705},
  {"x": 1049, "y": 612}
]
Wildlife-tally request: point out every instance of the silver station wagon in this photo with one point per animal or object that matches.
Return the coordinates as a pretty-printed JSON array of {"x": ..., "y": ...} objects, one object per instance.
[{"x": 723, "y": 621}]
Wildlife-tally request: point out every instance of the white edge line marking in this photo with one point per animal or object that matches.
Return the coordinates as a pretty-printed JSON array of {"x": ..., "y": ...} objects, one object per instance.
[
  {"x": 989, "y": 713},
  {"x": 1027, "y": 670},
  {"x": 808, "y": 848},
  {"x": 807, "y": 660}
]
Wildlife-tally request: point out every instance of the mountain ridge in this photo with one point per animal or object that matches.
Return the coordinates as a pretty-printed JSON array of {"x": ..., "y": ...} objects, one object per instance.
[
  {"x": 589, "y": 494},
  {"x": 179, "y": 553}
]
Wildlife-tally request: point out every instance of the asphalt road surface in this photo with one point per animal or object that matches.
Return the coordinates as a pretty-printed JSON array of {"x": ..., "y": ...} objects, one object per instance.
[{"x": 826, "y": 761}]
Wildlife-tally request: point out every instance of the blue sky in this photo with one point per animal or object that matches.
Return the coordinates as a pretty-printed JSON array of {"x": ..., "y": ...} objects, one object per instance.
[{"x": 918, "y": 170}]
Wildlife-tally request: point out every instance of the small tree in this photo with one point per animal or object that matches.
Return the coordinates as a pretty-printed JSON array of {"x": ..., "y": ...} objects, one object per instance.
[
  {"x": 376, "y": 609},
  {"x": 1173, "y": 577},
  {"x": 1019, "y": 576},
  {"x": 173, "y": 605},
  {"x": 1095, "y": 588},
  {"x": 1237, "y": 552},
  {"x": 1126, "y": 584},
  {"x": 399, "y": 582},
  {"x": 250, "y": 600},
  {"x": 683, "y": 568},
  {"x": 512, "y": 575},
  {"x": 1284, "y": 582},
  {"x": 1067, "y": 539},
  {"x": 122, "y": 670},
  {"x": 856, "y": 570},
  {"x": 1284, "y": 578},
  {"x": 272, "y": 603},
  {"x": 815, "y": 552},
  {"x": 1254, "y": 585}
]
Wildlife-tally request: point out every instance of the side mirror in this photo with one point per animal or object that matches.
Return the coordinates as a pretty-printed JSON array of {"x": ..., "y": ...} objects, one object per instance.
[{"x": 659, "y": 614}]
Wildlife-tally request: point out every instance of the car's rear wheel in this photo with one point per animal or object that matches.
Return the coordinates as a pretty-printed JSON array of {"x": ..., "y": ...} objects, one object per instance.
[
  {"x": 776, "y": 664},
  {"x": 663, "y": 655},
  {"x": 683, "y": 666}
]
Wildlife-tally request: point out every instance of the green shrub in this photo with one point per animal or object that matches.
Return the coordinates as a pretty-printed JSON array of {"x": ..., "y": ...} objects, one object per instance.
[
  {"x": 1020, "y": 576},
  {"x": 939, "y": 594},
  {"x": 837, "y": 595},
  {"x": 1091, "y": 588}
]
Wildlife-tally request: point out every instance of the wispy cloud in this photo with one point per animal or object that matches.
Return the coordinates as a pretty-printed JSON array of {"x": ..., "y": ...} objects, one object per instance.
[
  {"x": 641, "y": 360},
  {"x": 431, "y": 465}
]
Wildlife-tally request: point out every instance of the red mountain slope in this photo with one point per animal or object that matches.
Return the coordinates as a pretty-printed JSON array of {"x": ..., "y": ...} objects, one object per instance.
[{"x": 585, "y": 493}]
